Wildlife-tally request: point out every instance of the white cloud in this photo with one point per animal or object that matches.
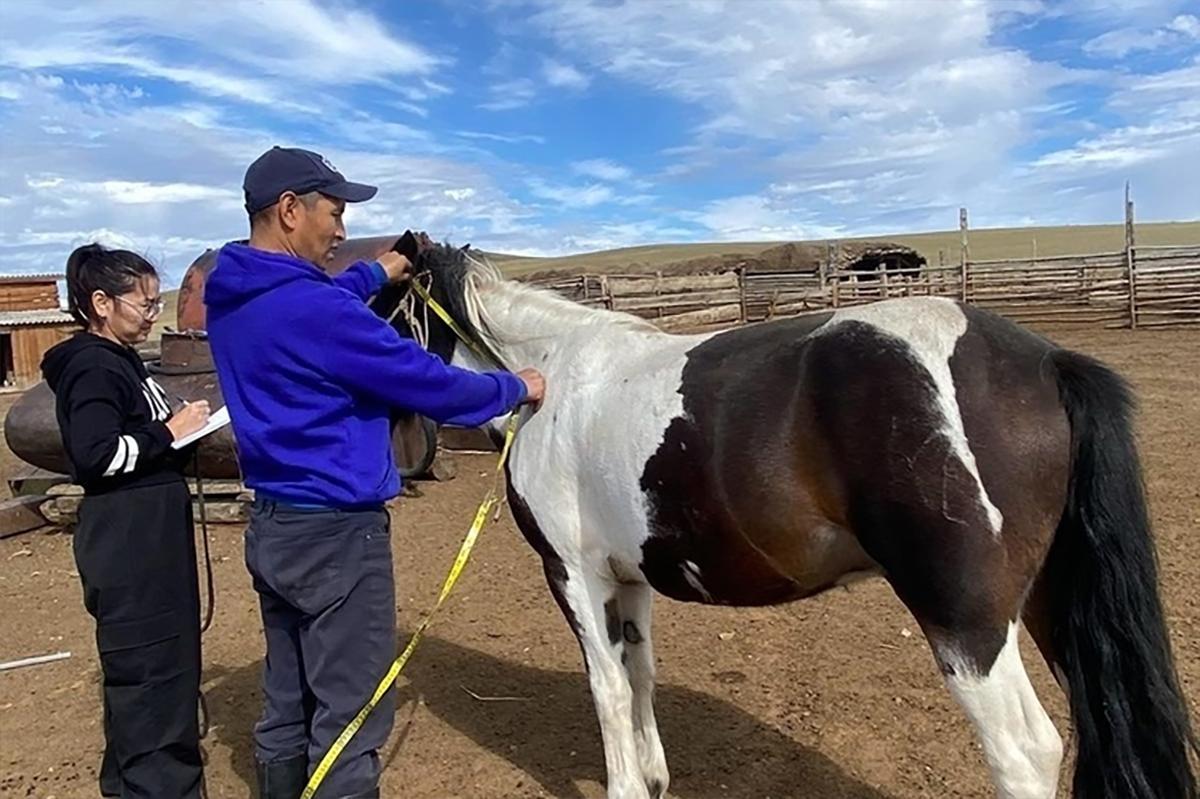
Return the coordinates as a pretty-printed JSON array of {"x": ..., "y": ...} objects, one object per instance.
[
  {"x": 137, "y": 192},
  {"x": 1179, "y": 32},
  {"x": 504, "y": 138},
  {"x": 843, "y": 94},
  {"x": 572, "y": 196},
  {"x": 601, "y": 169},
  {"x": 1187, "y": 24},
  {"x": 510, "y": 94},
  {"x": 564, "y": 76},
  {"x": 866, "y": 131},
  {"x": 175, "y": 208},
  {"x": 267, "y": 52},
  {"x": 108, "y": 92},
  {"x": 757, "y": 218}
]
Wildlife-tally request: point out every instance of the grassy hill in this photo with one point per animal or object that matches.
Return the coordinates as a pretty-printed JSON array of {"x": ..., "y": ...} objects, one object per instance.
[
  {"x": 169, "y": 314},
  {"x": 984, "y": 244}
]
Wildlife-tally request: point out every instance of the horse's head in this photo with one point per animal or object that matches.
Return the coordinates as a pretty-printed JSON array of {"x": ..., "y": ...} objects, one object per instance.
[{"x": 446, "y": 273}]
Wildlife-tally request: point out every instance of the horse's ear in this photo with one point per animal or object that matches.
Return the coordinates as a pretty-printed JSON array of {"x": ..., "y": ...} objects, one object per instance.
[
  {"x": 465, "y": 248},
  {"x": 407, "y": 245}
]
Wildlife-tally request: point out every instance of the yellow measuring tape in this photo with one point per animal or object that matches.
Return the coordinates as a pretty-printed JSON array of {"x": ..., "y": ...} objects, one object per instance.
[
  {"x": 460, "y": 561},
  {"x": 476, "y": 346}
]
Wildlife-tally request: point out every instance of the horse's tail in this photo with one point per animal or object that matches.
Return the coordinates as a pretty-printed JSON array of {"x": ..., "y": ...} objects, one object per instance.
[{"x": 1131, "y": 723}]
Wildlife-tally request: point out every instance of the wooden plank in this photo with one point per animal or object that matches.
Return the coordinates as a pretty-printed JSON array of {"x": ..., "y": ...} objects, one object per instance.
[
  {"x": 665, "y": 301},
  {"x": 694, "y": 319},
  {"x": 1157, "y": 268},
  {"x": 20, "y": 515},
  {"x": 30, "y": 479},
  {"x": 63, "y": 511},
  {"x": 624, "y": 286},
  {"x": 1117, "y": 259},
  {"x": 1130, "y": 261},
  {"x": 29, "y": 297},
  {"x": 1151, "y": 250},
  {"x": 29, "y": 344},
  {"x": 217, "y": 488}
]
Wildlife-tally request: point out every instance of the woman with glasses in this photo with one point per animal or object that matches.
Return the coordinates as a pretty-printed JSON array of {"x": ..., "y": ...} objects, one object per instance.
[{"x": 134, "y": 543}]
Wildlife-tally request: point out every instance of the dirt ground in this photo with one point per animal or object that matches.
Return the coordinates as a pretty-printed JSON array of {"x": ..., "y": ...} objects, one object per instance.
[{"x": 833, "y": 697}]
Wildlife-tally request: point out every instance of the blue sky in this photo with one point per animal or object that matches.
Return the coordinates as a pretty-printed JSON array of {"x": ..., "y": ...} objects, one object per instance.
[{"x": 556, "y": 126}]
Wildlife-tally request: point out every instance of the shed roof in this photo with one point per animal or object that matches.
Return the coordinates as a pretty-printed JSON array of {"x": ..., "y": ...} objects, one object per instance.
[
  {"x": 31, "y": 277},
  {"x": 31, "y": 318}
]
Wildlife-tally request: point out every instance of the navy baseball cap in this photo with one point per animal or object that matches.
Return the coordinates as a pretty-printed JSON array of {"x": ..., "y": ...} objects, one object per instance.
[{"x": 283, "y": 169}]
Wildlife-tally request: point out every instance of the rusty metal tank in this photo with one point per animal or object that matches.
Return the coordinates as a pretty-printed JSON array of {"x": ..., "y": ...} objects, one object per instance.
[{"x": 184, "y": 368}]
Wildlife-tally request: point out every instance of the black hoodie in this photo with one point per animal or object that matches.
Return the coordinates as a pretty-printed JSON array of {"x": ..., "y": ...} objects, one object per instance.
[{"x": 111, "y": 415}]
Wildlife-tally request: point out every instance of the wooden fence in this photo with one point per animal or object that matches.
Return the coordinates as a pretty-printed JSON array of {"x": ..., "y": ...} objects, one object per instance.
[{"x": 1139, "y": 286}]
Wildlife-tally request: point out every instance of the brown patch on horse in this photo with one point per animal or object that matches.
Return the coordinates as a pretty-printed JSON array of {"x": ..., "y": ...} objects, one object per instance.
[
  {"x": 740, "y": 525},
  {"x": 1016, "y": 426},
  {"x": 1001, "y": 372}
]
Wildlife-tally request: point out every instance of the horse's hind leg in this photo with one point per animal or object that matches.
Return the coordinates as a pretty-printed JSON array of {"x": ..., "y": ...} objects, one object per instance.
[
  {"x": 961, "y": 595},
  {"x": 634, "y": 603},
  {"x": 1021, "y": 744}
]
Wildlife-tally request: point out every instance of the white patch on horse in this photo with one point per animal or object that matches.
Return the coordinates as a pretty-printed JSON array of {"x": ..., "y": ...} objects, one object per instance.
[
  {"x": 931, "y": 327},
  {"x": 1022, "y": 746},
  {"x": 691, "y": 573}
]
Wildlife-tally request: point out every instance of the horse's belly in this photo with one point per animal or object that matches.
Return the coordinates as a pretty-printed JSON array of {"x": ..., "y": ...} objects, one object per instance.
[{"x": 717, "y": 564}]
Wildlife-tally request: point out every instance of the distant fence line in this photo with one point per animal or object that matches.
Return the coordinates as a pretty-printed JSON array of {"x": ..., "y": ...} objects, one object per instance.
[{"x": 1139, "y": 286}]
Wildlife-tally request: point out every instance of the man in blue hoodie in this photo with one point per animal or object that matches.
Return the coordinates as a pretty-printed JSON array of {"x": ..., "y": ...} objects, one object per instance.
[{"x": 310, "y": 375}]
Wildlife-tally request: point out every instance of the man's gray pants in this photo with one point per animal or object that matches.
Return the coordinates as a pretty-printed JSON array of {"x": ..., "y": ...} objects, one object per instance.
[{"x": 325, "y": 586}]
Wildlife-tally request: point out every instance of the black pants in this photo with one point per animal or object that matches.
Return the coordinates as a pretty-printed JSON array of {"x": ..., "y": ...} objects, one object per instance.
[
  {"x": 327, "y": 593},
  {"x": 136, "y": 556}
]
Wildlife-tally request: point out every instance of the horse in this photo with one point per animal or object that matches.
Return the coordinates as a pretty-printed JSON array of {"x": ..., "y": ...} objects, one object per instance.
[{"x": 988, "y": 475}]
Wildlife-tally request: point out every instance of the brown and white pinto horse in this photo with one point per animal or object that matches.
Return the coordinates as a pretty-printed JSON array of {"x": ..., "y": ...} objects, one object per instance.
[{"x": 990, "y": 477}]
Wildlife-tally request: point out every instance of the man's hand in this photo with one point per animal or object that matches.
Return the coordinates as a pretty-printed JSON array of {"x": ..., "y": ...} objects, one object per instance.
[
  {"x": 396, "y": 266},
  {"x": 535, "y": 385}
]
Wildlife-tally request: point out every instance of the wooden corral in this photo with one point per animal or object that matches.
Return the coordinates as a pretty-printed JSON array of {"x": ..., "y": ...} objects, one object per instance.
[{"x": 1138, "y": 286}]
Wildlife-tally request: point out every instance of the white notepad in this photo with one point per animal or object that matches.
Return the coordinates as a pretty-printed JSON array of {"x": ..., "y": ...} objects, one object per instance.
[{"x": 215, "y": 422}]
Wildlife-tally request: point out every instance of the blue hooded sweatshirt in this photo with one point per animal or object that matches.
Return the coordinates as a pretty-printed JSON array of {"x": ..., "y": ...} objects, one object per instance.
[{"x": 310, "y": 374}]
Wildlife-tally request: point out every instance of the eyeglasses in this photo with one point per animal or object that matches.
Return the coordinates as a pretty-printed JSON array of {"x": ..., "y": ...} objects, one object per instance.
[{"x": 149, "y": 310}]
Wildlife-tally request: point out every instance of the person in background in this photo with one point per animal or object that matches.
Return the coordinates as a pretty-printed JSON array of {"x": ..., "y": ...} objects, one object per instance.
[{"x": 134, "y": 545}]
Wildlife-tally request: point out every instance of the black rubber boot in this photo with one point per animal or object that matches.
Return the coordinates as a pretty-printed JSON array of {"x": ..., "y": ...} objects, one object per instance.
[
  {"x": 371, "y": 794},
  {"x": 282, "y": 779}
]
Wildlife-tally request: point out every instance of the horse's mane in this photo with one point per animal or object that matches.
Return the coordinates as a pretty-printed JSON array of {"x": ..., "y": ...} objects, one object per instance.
[{"x": 464, "y": 277}]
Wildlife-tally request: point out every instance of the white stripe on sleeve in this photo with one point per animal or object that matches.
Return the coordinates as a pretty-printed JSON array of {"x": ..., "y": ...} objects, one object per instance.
[
  {"x": 131, "y": 462},
  {"x": 119, "y": 459}
]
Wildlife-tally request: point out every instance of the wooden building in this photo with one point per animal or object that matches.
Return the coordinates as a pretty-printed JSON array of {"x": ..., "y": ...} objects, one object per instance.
[{"x": 31, "y": 322}]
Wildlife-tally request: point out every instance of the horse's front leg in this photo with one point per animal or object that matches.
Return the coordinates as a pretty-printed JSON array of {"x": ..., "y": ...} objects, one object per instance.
[
  {"x": 634, "y": 603},
  {"x": 591, "y": 605}
]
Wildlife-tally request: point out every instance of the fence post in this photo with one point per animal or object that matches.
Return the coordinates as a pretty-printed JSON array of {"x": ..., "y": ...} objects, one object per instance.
[
  {"x": 742, "y": 313},
  {"x": 1130, "y": 261},
  {"x": 962, "y": 229}
]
